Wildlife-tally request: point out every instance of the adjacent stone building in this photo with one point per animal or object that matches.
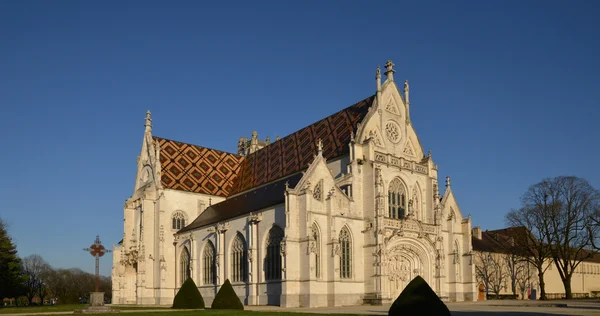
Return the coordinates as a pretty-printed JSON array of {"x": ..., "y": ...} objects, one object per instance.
[
  {"x": 345, "y": 211},
  {"x": 498, "y": 262}
]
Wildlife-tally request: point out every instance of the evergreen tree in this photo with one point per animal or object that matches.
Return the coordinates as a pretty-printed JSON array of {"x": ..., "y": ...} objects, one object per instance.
[
  {"x": 226, "y": 298},
  {"x": 11, "y": 276},
  {"x": 188, "y": 296}
]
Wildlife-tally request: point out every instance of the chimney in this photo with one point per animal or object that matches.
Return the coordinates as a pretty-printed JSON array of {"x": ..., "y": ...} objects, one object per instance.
[{"x": 477, "y": 232}]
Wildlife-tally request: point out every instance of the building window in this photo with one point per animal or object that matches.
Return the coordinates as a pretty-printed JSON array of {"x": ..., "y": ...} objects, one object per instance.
[
  {"x": 238, "y": 259},
  {"x": 184, "y": 263},
  {"x": 346, "y": 254},
  {"x": 208, "y": 261},
  {"x": 396, "y": 199},
  {"x": 316, "y": 248},
  {"x": 273, "y": 257},
  {"x": 178, "y": 220}
]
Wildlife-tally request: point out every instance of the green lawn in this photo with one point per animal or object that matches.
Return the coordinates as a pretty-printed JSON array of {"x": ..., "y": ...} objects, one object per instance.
[{"x": 61, "y": 308}]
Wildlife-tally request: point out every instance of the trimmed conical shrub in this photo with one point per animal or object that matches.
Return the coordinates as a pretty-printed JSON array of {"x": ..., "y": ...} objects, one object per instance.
[
  {"x": 188, "y": 296},
  {"x": 418, "y": 299},
  {"x": 226, "y": 298}
]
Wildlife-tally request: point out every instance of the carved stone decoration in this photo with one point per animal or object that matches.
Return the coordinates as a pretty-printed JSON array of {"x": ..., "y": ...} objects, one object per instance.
[
  {"x": 161, "y": 233},
  {"x": 250, "y": 255},
  {"x": 318, "y": 191},
  {"x": 408, "y": 149},
  {"x": 163, "y": 263},
  {"x": 282, "y": 247},
  {"x": 374, "y": 135},
  {"x": 392, "y": 130},
  {"x": 391, "y": 107},
  {"x": 335, "y": 247},
  {"x": 331, "y": 192}
]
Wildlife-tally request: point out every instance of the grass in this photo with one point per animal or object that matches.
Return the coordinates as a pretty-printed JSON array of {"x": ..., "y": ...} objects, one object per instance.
[
  {"x": 68, "y": 308},
  {"x": 63, "y": 308}
]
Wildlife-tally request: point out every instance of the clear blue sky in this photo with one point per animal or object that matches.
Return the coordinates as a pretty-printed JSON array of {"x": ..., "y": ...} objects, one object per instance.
[{"x": 504, "y": 93}]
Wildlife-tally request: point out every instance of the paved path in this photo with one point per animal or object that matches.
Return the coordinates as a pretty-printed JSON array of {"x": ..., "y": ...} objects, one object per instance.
[{"x": 510, "y": 308}]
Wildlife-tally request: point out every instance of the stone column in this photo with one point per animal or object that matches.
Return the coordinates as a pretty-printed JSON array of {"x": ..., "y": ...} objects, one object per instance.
[{"x": 253, "y": 259}]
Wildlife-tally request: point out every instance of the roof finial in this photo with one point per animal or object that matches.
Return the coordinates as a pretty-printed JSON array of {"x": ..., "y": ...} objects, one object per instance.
[
  {"x": 406, "y": 88},
  {"x": 447, "y": 181},
  {"x": 148, "y": 121},
  {"x": 320, "y": 147},
  {"x": 429, "y": 154},
  {"x": 378, "y": 78},
  {"x": 389, "y": 66}
]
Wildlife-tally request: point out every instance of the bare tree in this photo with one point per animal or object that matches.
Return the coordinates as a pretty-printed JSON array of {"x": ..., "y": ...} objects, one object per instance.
[
  {"x": 528, "y": 232},
  {"x": 35, "y": 268},
  {"x": 490, "y": 269},
  {"x": 524, "y": 277},
  {"x": 593, "y": 229},
  {"x": 514, "y": 266},
  {"x": 565, "y": 204}
]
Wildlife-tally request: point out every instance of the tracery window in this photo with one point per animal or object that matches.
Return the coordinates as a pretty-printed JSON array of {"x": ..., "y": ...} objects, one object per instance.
[
  {"x": 345, "y": 254},
  {"x": 208, "y": 263},
  {"x": 273, "y": 256},
  {"x": 184, "y": 266},
  {"x": 238, "y": 259},
  {"x": 316, "y": 248},
  {"x": 178, "y": 220},
  {"x": 396, "y": 199}
]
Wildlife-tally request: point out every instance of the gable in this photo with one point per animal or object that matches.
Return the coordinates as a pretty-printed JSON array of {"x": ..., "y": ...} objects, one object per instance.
[{"x": 197, "y": 169}]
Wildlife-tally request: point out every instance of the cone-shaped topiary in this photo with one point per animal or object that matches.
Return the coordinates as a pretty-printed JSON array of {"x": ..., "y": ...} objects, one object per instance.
[
  {"x": 226, "y": 298},
  {"x": 418, "y": 299},
  {"x": 188, "y": 296}
]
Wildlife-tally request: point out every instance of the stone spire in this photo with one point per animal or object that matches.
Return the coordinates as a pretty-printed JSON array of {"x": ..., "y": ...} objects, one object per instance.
[
  {"x": 407, "y": 101},
  {"x": 378, "y": 78},
  {"x": 389, "y": 66},
  {"x": 406, "y": 88},
  {"x": 320, "y": 147},
  {"x": 447, "y": 181},
  {"x": 148, "y": 122}
]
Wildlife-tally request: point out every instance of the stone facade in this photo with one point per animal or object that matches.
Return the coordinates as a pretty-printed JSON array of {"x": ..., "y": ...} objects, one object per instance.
[
  {"x": 350, "y": 230},
  {"x": 489, "y": 248}
]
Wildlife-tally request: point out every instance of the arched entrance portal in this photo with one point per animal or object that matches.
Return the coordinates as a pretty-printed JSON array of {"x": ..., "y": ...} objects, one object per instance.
[
  {"x": 402, "y": 268},
  {"x": 407, "y": 258}
]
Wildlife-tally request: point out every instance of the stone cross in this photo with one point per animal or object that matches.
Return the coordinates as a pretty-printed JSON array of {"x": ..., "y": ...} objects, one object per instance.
[{"x": 97, "y": 251}]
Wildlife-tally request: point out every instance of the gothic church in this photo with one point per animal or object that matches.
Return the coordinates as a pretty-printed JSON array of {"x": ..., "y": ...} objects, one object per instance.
[{"x": 345, "y": 211}]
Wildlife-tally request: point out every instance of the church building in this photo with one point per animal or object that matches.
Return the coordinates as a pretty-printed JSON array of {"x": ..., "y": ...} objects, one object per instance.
[{"x": 345, "y": 211}]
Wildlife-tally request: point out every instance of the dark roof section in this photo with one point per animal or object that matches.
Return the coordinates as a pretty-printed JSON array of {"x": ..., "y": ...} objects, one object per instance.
[
  {"x": 295, "y": 151},
  {"x": 257, "y": 199},
  {"x": 197, "y": 169}
]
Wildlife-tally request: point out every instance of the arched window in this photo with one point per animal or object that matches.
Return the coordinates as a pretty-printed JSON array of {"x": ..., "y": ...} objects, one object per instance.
[
  {"x": 184, "y": 265},
  {"x": 396, "y": 199},
  {"x": 238, "y": 259},
  {"x": 345, "y": 254},
  {"x": 316, "y": 248},
  {"x": 208, "y": 262},
  {"x": 273, "y": 256},
  {"x": 178, "y": 220}
]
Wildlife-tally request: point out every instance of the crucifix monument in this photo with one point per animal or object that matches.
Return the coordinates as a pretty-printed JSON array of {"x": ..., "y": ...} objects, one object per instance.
[{"x": 96, "y": 301}]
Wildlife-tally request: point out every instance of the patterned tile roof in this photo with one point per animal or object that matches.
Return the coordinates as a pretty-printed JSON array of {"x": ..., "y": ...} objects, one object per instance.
[
  {"x": 197, "y": 169},
  {"x": 295, "y": 151}
]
